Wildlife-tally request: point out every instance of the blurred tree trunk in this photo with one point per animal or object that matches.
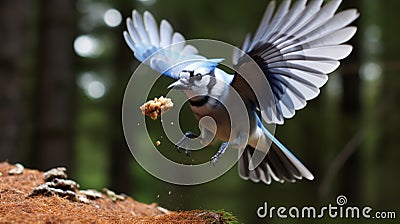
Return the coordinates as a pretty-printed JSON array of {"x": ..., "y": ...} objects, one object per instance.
[
  {"x": 350, "y": 174},
  {"x": 121, "y": 157},
  {"x": 13, "y": 57},
  {"x": 55, "y": 95},
  {"x": 386, "y": 154}
]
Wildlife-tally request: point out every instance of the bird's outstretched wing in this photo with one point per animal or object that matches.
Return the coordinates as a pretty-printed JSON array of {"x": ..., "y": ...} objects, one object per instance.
[
  {"x": 161, "y": 48},
  {"x": 296, "y": 46}
]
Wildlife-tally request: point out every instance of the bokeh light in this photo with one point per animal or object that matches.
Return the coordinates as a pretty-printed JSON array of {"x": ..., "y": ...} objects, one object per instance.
[
  {"x": 87, "y": 46},
  {"x": 147, "y": 2},
  {"x": 96, "y": 89},
  {"x": 112, "y": 17},
  {"x": 370, "y": 71},
  {"x": 92, "y": 85}
]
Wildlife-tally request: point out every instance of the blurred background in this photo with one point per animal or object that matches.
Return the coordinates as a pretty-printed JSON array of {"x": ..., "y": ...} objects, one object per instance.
[{"x": 64, "y": 67}]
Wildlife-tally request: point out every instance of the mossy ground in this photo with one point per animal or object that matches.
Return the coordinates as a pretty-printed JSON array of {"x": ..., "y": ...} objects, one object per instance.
[{"x": 17, "y": 207}]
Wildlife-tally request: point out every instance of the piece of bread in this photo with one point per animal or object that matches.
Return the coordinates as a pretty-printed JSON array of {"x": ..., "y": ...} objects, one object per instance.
[{"x": 154, "y": 108}]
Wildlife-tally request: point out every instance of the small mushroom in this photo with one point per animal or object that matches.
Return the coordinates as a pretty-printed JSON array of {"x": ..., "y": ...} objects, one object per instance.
[
  {"x": 19, "y": 169},
  {"x": 91, "y": 194},
  {"x": 64, "y": 184},
  {"x": 113, "y": 196},
  {"x": 59, "y": 172},
  {"x": 47, "y": 190}
]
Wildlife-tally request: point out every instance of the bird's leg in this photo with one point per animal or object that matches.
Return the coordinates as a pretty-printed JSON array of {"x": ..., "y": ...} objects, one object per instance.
[
  {"x": 221, "y": 150},
  {"x": 179, "y": 144},
  {"x": 240, "y": 142},
  {"x": 205, "y": 138}
]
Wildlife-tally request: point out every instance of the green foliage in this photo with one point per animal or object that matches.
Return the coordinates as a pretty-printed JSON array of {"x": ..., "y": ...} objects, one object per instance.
[{"x": 223, "y": 217}]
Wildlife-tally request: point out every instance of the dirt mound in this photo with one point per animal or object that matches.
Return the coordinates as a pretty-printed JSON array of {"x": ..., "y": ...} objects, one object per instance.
[{"x": 18, "y": 205}]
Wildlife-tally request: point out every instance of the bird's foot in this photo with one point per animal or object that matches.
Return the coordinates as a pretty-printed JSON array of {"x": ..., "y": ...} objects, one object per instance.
[
  {"x": 188, "y": 135},
  {"x": 221, "y": 151}
]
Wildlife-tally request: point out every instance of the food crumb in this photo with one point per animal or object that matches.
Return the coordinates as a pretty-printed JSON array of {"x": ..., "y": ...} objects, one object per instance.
[
  {"x": 154, "y": 108},
  {"x": 158, "y": 143}
]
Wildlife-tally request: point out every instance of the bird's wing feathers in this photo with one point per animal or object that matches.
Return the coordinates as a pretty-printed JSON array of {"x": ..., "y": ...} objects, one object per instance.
[
  {"x": 161, "y": 48},
  {"x": 296, "y": 47}
]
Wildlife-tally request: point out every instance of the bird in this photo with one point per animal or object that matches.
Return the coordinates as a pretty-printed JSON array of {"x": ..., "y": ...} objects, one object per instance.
[{"x": 296, "y": 46}]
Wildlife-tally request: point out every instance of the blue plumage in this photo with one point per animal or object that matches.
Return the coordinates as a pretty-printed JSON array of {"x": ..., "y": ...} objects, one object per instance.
[{"x": 296, "y": 46}]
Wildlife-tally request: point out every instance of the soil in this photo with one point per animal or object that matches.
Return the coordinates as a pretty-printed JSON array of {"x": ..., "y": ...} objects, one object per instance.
[{"x": 17, "y": 206}]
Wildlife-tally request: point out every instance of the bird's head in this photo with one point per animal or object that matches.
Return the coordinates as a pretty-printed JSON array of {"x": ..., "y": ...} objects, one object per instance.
[
  {"x": 198, "y": 77},
  {"x": 195, "y": 80}
]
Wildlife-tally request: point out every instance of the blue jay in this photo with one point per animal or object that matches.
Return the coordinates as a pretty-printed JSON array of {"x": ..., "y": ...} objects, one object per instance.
[{"x": 296, "y": 46}]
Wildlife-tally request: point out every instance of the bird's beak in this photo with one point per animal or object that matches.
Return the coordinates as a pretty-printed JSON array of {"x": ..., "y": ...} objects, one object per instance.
[{"x": 179, "y": 85}]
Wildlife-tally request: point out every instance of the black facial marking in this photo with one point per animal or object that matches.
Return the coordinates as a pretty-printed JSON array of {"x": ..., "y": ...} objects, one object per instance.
[{"x": 200, "y": 101}]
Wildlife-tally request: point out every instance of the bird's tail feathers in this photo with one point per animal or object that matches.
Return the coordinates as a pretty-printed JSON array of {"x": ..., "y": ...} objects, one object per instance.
[{"x": 277, "y": 164}]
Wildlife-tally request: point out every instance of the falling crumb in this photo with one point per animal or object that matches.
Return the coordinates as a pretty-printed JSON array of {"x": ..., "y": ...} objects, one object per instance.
[
  {"x": 19, "y": 168},
  {"x": 169, "y": 192},
  {"x": 158, "y": 143},
  {"x": 154, "y": 108}
]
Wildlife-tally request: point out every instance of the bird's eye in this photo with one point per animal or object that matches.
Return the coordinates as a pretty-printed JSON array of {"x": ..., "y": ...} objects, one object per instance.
[{"x": 198, "y": 76}]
